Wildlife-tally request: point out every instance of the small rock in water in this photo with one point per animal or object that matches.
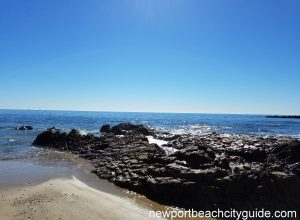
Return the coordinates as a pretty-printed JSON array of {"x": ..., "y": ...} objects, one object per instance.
[{"x": 24, "y": 127}]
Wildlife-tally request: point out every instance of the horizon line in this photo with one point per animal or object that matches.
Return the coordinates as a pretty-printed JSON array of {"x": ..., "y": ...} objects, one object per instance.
[{"x": 150, "y": 112}]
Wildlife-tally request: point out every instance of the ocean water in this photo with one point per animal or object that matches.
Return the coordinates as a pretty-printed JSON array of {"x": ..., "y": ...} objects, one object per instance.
[{"x": 15, "y": 144}]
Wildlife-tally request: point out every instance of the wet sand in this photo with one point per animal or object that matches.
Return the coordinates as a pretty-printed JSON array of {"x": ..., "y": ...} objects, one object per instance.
[
  {"x": 59, "y": 185},
  {"x": 67, "y": 199}
]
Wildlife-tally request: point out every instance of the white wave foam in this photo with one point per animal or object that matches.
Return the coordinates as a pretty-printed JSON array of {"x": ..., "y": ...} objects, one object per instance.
[
  {"x": 197, "y": 129},
  {"x": 86, "y": 131},
  {"x": 83, "y": 132},
  {"x": 160, "y": 143},
  {"x": 169, "y": 150},
  {"x": 156, "y": 141}
]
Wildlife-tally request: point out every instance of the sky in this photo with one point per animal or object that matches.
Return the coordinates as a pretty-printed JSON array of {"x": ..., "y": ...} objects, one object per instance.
[{"x": 205, "y": 56}]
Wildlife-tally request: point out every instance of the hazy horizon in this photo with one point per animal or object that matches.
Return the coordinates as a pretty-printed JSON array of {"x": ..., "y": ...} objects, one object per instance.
[
  {"x": 154, "y": 112},
  {"x": 208, "y": 56}
]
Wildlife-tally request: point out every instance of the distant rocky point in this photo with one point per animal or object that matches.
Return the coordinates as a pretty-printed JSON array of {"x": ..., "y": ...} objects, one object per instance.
[
  {"x": 283, "y": 116},
  {"x": 203, "y": 172}
]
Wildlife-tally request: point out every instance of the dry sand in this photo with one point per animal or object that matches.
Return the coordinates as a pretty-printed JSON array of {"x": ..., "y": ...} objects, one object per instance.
[{"x": 67, "y": 199}]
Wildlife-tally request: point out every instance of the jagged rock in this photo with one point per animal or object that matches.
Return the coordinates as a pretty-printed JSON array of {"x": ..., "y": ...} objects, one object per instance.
[
  {"x": 65, "y": 141},
  {"x": 195, "y": 156},
  {"x": 124, "y": 128},
  {"x": 105, "y": 128},
  {"x": 288, "y": 152}
]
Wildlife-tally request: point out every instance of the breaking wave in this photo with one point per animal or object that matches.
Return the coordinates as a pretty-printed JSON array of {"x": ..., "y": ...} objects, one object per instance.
[{"x": 199, "y": 129}]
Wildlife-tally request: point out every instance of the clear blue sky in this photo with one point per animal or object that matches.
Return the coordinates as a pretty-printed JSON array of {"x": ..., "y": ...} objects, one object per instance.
[{"x": 225, "y": 56}]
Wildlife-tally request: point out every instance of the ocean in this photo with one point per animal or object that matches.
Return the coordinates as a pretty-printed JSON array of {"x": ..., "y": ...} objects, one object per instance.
[{"x": 16, "y": 144}]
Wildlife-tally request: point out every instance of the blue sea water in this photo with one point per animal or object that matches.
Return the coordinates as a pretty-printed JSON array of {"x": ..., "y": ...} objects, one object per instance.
[{"x": 17, "y": 144}]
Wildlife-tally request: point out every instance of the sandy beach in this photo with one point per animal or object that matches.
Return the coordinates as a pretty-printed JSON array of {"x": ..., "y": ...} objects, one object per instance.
[
  {"x": 66, "y": 198},
  {"x": 44, "y": 188},
  {"x": 60, "y": 186}
]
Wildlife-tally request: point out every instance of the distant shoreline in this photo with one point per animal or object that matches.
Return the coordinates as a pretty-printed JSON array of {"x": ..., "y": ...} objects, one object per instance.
[{"x": 283, "y": 116}]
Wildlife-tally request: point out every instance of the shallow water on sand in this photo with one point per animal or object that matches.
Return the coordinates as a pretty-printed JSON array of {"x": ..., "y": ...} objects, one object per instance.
[
  {"x": 53, "y": 164},
  {"x": 48, "y": 165}
]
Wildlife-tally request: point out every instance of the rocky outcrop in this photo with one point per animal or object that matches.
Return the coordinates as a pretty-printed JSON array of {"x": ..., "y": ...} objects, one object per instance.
[
  {"x": 203, "y": 172},
  {"x": 126, "y": 128},
  {"x": 71, "y": 141},
  {"x": 24, "y": 127},
  {"x": 105, "y": 129}
]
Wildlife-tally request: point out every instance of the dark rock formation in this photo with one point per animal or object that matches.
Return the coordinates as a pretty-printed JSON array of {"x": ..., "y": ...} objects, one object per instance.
[
  {"x": 205, "y": 172},
  {"x": 24, "y": 127},
  {"x": 126, "y": 128},
  {"x": 72, "y": 141},
  {"x": 105, "y": 129}
]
